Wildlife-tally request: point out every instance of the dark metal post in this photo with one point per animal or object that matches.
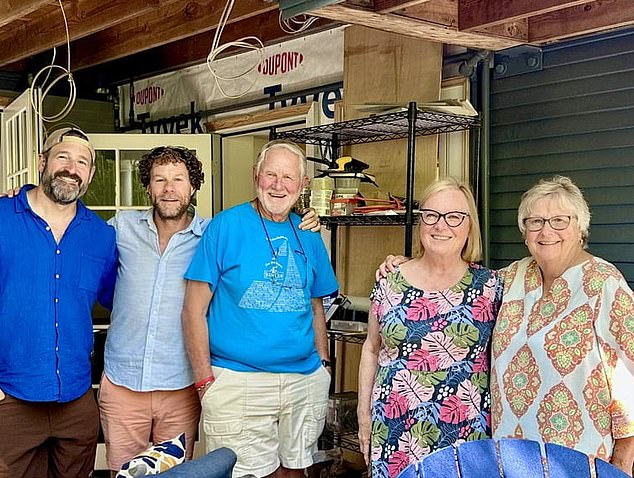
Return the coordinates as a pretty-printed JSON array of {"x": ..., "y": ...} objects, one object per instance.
[
  {"x": 485, "y": 216},
  {"x": 411, "y": 159},
  {"x": 333, "y": 246}
]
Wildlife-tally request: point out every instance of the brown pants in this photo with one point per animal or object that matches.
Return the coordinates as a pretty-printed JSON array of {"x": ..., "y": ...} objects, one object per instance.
[{"x": 48, "y": 439}]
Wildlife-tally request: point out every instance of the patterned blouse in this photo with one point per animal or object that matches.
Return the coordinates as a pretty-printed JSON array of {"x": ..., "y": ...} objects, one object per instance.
[
  {"x": 431, "y": 386},
  {"x": 565, "y": 375}
]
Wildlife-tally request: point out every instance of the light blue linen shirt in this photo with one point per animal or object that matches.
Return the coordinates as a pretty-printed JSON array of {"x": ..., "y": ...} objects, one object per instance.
[{"x": 145, "y": 349}]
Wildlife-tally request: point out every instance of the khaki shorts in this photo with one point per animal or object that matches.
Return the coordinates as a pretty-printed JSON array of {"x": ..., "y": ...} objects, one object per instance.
[{"x": 268, "y": 419}]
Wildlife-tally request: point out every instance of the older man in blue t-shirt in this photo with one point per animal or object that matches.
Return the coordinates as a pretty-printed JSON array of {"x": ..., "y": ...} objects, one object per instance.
[{"x": 254, "y": 324}]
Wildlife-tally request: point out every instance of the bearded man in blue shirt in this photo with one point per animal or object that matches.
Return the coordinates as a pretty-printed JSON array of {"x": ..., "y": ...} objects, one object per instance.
[{"x": 57, "y": 259}]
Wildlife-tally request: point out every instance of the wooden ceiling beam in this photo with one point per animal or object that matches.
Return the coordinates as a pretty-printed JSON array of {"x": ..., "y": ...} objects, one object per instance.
[
  {"x": 415, "y": 28},
  {"x": 442, "y": 12},
  {"x": 445, "y": 12},
  {"x": 388, "y": 6},
  {"x": 595, "y": 16},
  {"x": 186, "y": 52},
  {"x": 12, "y": 11},
  {"x": 85, "y": 17},
  {"x": 480, "y": 14},
  {"x": 160, "y": 27}
]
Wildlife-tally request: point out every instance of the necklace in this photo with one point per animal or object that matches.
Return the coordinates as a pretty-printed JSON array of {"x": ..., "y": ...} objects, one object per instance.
[{"x": 268, "y": 238}]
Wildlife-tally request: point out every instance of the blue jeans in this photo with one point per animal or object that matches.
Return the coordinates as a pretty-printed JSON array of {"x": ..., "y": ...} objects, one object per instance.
[{"x": 215, "y": 464}]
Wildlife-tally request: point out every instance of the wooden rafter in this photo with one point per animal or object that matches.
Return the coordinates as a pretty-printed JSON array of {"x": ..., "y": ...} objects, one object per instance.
[
  {"x": 480, "y": 14},
  {"x": 445, "y": 12},
  {"x": 175, "y": 22},
  {"x": 159, "y": 35},
  {"x": 11, "y": 11},
  {"x": 415, "y": 28},
  {"x": 85, "y": 17},
  {"x": 442, "y": 12},
  {"x": 188, "y": 51},
  {"x": 591, "y": 17},
  {"x": 388, "y": 6}
]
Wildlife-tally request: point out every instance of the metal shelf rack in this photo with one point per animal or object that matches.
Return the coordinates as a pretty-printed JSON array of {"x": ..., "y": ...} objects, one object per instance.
[
  {"x": 380, "y": 128},
  {"x": 349, "y": 441},
  {"x": 364, "y": 220},
  {"x": 331, "y": 439},
  {"x": 352, "y": 338},
  {"x": 404, "y": 124}
]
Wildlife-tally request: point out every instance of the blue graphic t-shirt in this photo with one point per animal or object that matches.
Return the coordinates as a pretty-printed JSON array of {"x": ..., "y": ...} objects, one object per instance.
[{"x": 260, "y": 318}]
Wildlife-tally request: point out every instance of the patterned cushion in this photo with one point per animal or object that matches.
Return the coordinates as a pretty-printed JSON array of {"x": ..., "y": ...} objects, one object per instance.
[{"x": 156, "y": 459}]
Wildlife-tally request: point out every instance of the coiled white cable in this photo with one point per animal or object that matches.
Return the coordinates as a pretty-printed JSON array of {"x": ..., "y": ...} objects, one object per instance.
[
  {"x": 63, "y": 73},
  {"x": 248, "y": 43},
  {"x": 296, "y": 24}
]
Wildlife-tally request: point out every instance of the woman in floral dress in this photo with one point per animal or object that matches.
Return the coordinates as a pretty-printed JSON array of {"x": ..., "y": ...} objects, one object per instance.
[{"x": 423, "y": 376}]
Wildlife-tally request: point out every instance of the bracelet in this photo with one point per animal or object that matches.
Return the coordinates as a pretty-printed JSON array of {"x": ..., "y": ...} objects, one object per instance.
[{"x": 204, "y": 383}]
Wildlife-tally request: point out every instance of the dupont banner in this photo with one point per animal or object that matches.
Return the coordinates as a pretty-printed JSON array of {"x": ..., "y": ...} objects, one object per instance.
[{"x": 175, "y": 102}]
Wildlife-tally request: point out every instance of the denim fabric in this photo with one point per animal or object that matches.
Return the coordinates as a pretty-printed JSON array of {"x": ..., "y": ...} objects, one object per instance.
[{"x": 216, "y": 464}]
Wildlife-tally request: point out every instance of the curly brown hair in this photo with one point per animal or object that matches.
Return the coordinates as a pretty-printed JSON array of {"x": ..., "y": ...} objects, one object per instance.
[{"x": 172, "y": 154}]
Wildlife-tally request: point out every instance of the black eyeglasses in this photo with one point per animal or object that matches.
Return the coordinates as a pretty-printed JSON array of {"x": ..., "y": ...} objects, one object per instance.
[
  {"x": 536, "y": 223},
  {"x": 452, "y": 218}
]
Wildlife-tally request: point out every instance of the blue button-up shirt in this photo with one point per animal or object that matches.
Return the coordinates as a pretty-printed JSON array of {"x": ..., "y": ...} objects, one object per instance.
[
  {"x": 47, "y": 291},
  {"x": 145, "y": 349}
]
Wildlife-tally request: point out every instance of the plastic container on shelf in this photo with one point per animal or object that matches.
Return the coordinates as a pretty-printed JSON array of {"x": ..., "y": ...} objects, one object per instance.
[
  {"x": 347, "y": 183},
  {"x": 353, "y": 191},
  {"x": 324, "y": 183},
  {"x": 342, "y": 412},
  {"x": 348, "y": 326},
  {"x": 321, "y": 190},
  {"x": 303, "y": 201},
  {"x": 320, "y": 201},
  {"x": 343, "y": 204}
]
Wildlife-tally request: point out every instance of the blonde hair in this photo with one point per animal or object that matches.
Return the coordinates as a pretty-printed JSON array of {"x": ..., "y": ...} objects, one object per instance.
[
  {"x": 569, "y": 196},
  {"x": 472, "y": 250},
  {"x": 282, "y": 144}
]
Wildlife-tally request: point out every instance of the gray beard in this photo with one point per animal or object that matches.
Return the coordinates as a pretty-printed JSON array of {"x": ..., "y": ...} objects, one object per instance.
[{"x": 60, "y": 192}]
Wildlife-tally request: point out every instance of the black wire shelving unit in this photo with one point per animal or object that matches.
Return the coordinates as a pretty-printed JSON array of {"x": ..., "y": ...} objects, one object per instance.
[
  {"x": 353, "y": 338},
  {"x": 380, "y": 128},
  {"x": 365, "y": 220},
  {"x": 408, "y": 124}
]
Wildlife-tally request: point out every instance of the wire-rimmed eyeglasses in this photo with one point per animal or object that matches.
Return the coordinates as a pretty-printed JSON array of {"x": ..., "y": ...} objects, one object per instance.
[
  {"x": 452, "y": 218},
  {"x": 536, "y": 223}
]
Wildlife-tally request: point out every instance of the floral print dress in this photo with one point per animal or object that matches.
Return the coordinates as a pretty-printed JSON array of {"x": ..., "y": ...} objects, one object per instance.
[{"x": 431, "y": 385}]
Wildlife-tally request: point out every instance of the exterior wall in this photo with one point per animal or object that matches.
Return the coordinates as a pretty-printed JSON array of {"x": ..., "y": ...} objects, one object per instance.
[{"x": 575, "y": 117}]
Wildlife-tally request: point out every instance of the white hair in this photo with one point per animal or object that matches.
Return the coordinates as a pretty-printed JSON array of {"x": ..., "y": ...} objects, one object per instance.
[
  {"x": 569, "y": 196},
  {"x": 282, "y": 144}
]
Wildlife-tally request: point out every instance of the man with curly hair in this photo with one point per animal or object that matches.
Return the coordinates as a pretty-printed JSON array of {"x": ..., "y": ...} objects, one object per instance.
[{"x": 146, "y": 391}]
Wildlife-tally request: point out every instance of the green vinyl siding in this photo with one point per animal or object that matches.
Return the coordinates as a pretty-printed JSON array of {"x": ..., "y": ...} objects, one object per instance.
[{"x": 574, "y": 117}]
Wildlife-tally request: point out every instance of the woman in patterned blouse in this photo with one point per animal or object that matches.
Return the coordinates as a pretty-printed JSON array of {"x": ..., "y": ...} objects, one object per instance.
[
  {"x": 563, "y": 344},
  {"x": 423, "y": 376}
]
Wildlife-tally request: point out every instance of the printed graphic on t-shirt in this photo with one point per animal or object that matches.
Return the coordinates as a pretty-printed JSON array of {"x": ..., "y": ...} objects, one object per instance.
[{"x": 281, "y": 288}]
